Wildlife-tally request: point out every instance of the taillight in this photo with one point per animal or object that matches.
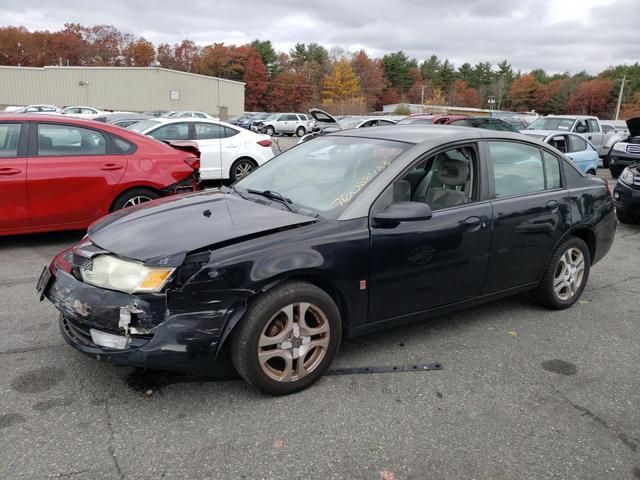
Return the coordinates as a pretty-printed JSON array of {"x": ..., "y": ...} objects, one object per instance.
[
  {"x": 193, "y": 162},
  {"x": 265, "y": 143}
]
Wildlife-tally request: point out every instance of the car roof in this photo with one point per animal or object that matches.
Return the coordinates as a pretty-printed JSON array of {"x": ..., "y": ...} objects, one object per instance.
[{"x": 413, "y": 133}]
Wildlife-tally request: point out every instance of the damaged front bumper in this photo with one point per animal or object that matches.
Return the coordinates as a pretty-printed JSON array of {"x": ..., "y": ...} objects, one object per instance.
[{"x": 168, "y": 330}]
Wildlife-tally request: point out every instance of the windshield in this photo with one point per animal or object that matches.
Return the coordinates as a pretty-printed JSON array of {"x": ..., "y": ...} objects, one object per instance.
[
  {"x": 552, "y": 123},
  {"x": 322, "y": 177},
  {"x": 415, "y": 121},
  {"x": 143, "y": 126}
]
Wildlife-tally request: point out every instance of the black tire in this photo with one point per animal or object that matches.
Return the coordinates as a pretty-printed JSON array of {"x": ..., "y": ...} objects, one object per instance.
[
  {"x": 261, "y": 314},
  {"x": 615, "y": 173},
  {"x": 300, "y": 131},
  {"x": 545, "y": 294},
  {"x": 605, "y": 161},
  {"x": 134, "y": 196},
  {"x": 625, "y": 217},
  {"x": 269, "y": 130},
  {"x": 241, "y": 168},
  {"x": 592, "y": 172}
]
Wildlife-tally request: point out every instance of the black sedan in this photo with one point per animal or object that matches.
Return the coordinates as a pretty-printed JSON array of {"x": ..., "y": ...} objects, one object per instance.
[{"x": 354, "y": 232}]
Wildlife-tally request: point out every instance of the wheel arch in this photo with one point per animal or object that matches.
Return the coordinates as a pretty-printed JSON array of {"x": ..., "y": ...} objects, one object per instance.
[
  {"x": 314, "y": 278},
  {"x": 119, "y": 193},
  {"x": 583, "y": 232}
]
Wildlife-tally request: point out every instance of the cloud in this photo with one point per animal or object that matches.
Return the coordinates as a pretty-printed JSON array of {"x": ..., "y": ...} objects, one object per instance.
[{"x": 559, "y": 35}]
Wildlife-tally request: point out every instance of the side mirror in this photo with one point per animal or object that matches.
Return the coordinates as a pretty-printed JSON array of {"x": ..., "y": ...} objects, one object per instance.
[{"x": 403, "y": 212}]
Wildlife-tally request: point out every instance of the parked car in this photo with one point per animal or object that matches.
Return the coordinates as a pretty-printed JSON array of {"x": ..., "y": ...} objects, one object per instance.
[
  {"x": 284, "y": 123},
  {"x": 245, "y": 121},
  {"x": 586, "y": 126},
  {"x": 625, "y": 152},
  {"x": 327, "y": 123},
  {"x": 484, "y": 122},
  {"x": 155, "y": 113},
  {"x": 82, "y": 112},
  {"x": 626, "y": 195},
  {"x": 581, "y": 151},
  {"x": 351, "y": 233},
  {"x": 123, "y": 120},
  {"x": 189, "y": 114},
  {"x": 615, "y": 127},
  {"x": 429, "y": 119},
  {"x": 227, "y": 152},
  {"x": 62, "y": 173},
  {"x": 13, "y": 108},
  {"x": 48, "y": 109}
]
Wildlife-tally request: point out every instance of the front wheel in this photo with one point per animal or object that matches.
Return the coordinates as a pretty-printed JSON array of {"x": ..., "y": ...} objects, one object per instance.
[
  {"x": 300, "y": 131},
  {"x": 565, "y": 276},
  {"x": 269, "y": 130},
  {"x": 241, "y": 168},
  {"x": 287, "y": 339}
]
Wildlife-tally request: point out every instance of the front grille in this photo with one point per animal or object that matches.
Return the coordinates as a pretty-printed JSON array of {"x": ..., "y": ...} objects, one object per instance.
[{"x": 633, "y": 148}]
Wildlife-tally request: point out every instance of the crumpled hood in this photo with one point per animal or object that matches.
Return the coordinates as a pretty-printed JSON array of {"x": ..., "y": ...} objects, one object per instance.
[
  {"x": 634, "y": 127},
  {"x": 164, "y": 231}
]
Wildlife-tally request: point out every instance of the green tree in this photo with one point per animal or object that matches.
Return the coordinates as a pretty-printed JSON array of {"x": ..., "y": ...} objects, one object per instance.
[
  {"x": 267, "y": 54},
  {"x": 397, "y": 70}
]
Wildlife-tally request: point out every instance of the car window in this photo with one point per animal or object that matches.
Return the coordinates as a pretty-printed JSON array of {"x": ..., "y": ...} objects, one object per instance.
[
  {"x": 293, "y": 118},
  {"x": 325, "y": 175},
  {"x": 517, "y": 168},
  {"x": 125, "y": 123},
  {"x": 123, "y": 146},
  {"x": 230, "y": 132},
  {"x": 460, "y": 123},
  {"x": 415, "y": 121},
  {"x": 9, "y": 137},
  {"x": 577, "y": 143},
  {"x": 552, "y": 123},
  {"x": 209, "y": 131},
  {"x": 606, "y": 128},
  {"x": 143, "y": 126},
  {"x": 199, "y": 115},
  {"x": 552, "y": 170},
  {"x": 302, "y": 117},
  {"x": 69, "y": 140},
  {"x": 72, "y": 110},
  {"x": 87, "y": 110},
  {"x": 593, "y": 125},
  {"x": 559, "y": 142},
  {"x": 282, "y": 118},
  {"x": 442, "y": 181},
  {"x": 385, "y": 122},
  {"x": 173, "y": 131}
]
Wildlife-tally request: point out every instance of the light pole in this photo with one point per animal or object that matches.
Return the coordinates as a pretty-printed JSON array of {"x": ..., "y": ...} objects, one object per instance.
[{"x": 624, "y": 78}]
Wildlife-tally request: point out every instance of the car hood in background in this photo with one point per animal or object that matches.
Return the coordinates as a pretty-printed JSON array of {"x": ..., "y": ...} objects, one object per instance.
[
  {"x": 634, "y": 126},
  {"x": 164, "y": 231}
]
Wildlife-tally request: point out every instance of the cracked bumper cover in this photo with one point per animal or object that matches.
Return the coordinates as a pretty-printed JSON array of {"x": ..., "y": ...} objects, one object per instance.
[{"x": 179, "y": 332}]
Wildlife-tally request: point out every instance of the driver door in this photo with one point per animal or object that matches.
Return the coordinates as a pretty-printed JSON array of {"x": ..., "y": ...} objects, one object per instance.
[{"x": 432, "y": 263}]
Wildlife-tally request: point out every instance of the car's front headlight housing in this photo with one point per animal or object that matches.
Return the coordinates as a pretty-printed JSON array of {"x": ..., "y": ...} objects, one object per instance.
[
  {"x": 626, "y": 177},
  {"x": 619, "y": 147},
  {"x": 108, "y": 271}
]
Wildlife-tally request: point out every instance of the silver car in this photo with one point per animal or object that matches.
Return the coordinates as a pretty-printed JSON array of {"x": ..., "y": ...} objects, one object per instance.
[{"x": 284, "y": 123}]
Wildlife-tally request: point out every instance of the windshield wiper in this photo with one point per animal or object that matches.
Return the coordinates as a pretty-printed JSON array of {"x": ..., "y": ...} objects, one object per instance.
[
  {"x": 238, "y": 192},
  {"x": 271, "y": 195}
]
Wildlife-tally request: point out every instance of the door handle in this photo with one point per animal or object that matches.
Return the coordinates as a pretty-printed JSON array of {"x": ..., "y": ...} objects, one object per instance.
[
  {"x": 9, "y": 171},
  {"x": 589, "y": 137},
  {"x": 472, "y": 224},
  {"x": 111, "y": 166},
  {"x": 552, "y": 206}
]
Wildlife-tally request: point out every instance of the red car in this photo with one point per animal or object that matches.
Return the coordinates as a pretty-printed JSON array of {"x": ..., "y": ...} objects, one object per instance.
[{"x": 61, "y": 173}]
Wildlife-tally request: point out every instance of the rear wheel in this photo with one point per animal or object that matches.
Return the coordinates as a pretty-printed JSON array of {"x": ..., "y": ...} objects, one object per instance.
[
  {"x": 241, "y": 168},
  {"x": 300, "y": 131},
  {"x": 565, "y": 276},
  {"x": 287, "y": 339},
  {"x": 133, "y": 197}
]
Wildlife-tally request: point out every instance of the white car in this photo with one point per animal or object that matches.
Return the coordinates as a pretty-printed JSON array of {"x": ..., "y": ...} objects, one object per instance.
[
  {"x": 188, "y": 114},
  {"x": 47, "y": 109},
  {"x": 226, "y": 151},
  {"x": 82, "y": 112}
]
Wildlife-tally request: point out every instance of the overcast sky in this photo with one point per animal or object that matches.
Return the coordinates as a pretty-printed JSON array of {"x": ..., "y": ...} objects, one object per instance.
[{"x": 556, "y": 35}]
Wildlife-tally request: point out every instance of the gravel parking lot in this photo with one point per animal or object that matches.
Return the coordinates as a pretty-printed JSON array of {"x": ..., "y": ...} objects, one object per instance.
[{"x": 524, "y": 393}]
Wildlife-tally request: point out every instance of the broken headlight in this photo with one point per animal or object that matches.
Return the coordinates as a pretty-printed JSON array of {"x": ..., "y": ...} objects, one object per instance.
[{"x": 111, "y": 272}]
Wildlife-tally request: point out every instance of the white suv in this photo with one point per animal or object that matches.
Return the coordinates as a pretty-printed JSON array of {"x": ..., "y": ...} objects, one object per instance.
[{"x": 284, "y": 123}]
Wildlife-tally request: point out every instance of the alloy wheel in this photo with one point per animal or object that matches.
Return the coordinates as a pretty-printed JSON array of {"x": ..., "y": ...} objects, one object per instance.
[
  {"x": 242, "y": 170},
  {"x": 137, "y": 200},
  {"x": 569, "y": 274},
  {"x": 294, "y": 342}
]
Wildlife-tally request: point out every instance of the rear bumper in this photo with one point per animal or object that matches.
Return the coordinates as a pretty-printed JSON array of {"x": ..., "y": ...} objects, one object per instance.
[{"x": 156, "y": 338}]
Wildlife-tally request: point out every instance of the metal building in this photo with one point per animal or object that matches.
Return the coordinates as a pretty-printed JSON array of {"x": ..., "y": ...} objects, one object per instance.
[{"x": 121, "y": 88}]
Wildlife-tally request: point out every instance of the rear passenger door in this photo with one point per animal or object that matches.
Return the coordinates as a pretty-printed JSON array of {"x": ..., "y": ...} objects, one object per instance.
[
  {"x": 14, "y": 212},
  {"x": 531, "y": 211},
  {"x": 72, "y": 172}
]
